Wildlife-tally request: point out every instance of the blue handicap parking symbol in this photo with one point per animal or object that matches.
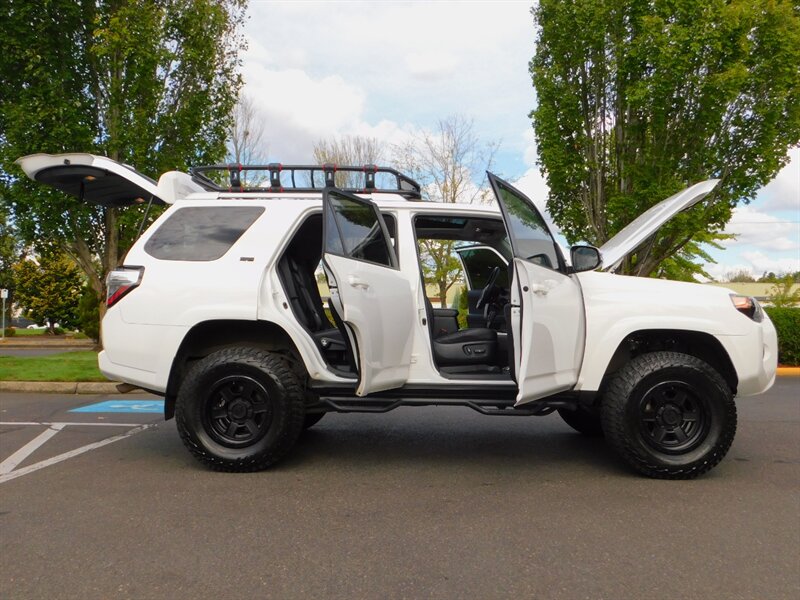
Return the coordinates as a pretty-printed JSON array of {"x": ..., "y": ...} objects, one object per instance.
[{"x": 123, "y": 406}]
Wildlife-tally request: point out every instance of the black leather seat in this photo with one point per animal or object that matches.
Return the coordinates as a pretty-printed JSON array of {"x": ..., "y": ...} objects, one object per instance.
[
  {"x": 475, "y": 346},
  {"x": 301, "y": 287}
]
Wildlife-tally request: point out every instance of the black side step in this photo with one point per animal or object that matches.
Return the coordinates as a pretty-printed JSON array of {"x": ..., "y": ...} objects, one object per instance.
[{"x": 485, "y": 406}]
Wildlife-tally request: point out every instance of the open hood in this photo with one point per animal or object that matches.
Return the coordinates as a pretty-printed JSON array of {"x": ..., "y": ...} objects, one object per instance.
[
  {"x": 646, "y": 224},
  {"x": 100, "y": 180}
]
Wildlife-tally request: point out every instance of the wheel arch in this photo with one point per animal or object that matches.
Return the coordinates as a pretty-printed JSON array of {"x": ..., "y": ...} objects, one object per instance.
[
  {"x": 699, "y": 344},
  {"x": 209, "y": 336}
]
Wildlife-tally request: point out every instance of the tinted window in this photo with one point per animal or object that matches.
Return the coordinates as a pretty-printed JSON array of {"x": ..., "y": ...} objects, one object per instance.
[
  {"x": 361, "y": 234},
  {"x": 201, "y": 233},
  {"x": 530, "y": 237}
]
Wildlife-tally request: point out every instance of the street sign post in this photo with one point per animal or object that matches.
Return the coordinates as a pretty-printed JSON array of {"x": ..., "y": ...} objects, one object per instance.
[{"x": 4, "y": 295}]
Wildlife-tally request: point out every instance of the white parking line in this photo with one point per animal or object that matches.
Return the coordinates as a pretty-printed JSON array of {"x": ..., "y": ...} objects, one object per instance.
[
  {"x": 8, "y": 476},
  {"x": 45, "y": 424},
  {"x": 12, "y": 461}
]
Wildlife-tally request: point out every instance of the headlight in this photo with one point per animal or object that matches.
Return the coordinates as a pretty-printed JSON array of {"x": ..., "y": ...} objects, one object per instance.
[{"x": 748, "y": 306}]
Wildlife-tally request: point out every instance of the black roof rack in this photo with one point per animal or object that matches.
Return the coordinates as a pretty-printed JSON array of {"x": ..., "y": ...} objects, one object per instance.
[{"x": 305, "y": 178}]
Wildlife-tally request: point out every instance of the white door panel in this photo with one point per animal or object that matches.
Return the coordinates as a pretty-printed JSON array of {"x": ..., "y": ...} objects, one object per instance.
[
  {"x": 547, "y": 315},
  {"x": 369, "y": 293},
  {"x": 551, "y": 331},
  {"x": 375, "y": 303}
]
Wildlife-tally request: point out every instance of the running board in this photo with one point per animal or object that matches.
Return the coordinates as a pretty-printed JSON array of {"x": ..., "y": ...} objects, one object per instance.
[{"x": 495, "y": 406}]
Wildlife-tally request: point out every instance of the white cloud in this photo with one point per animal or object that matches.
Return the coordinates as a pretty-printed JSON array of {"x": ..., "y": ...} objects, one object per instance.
[
  {"x": 783, "y": 192},
  {"x": 431, "y": 67},
  {"x": 763, "y": 262},
  {"x": 762, "y": 230},
  {"x": 397, "y": 62}
]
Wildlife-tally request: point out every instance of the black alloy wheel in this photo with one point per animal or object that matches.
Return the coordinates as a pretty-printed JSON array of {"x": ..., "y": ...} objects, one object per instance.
[
  {"x": 240, "y": 409},
  {"x": 237, "y": 411},
  {"x": 673, "y": 418},
  {"x": 669, "y": 415}
]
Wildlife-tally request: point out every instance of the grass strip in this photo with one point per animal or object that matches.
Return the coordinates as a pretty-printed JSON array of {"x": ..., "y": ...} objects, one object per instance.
[{"x": 64, "y": 366}]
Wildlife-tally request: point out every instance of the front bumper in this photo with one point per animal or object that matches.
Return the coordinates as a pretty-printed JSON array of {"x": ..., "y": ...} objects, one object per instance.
[{"x": 754, "y": 356}]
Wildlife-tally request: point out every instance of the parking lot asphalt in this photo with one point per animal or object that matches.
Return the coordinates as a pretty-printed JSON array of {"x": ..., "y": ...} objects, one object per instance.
[{"x": 432, "y": 502}]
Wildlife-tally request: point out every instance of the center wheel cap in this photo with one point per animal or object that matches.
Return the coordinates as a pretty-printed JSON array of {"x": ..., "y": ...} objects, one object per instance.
[
  {"x": 238, "y": 410},
  {"x": 671, "y": 416}
]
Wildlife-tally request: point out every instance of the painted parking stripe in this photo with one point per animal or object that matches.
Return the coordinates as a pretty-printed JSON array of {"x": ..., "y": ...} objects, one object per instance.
[
  {"x": 123, "y": 406},
  {"x": 78, "y": 451},
  {"x": 12, "y": 461}
]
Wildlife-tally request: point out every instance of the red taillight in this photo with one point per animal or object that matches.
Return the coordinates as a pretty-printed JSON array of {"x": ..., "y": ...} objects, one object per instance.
[{"x": 120, "y": 281}]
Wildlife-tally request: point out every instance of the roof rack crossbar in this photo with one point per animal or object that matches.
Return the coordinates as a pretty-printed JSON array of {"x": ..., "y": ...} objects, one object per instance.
[{"x": 242, "y": 178}]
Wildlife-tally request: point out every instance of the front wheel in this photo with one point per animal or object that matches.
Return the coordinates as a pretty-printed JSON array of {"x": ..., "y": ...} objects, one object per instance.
[
  {"x": 240, "y": 409},
  {"x": 669, "y": 415}
]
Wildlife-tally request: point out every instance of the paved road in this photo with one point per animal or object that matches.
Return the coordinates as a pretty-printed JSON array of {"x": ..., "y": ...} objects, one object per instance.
[{"x": 439, "y": 503}]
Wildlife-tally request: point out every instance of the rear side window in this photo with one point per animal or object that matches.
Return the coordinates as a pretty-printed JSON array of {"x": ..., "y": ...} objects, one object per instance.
[{"x": 201, "y": 233}]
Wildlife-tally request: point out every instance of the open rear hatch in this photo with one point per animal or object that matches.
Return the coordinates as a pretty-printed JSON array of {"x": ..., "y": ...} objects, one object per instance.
[{"x": 100, "y": 180}]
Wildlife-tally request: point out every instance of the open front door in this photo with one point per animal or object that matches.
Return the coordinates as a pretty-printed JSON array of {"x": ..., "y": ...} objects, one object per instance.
[
  {"x": 547, "y": 318},
  {"x": 368, "y": 291}
]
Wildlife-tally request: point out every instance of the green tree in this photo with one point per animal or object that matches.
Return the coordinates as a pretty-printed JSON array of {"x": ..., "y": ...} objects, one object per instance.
[
  {"x": 440, "y": 267},
  {"x": 9, "y": 254},
  {"x": 88, "y": 313},
  {"x": 48, "y": 289},
  {"x": 637, "y": 99},
  {"x": 150, "y": 83},
  {"x": 785, "y": 293}
]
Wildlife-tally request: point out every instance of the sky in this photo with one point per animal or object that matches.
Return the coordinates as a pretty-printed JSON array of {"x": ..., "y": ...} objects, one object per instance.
[{"x": 318, "y": 70}]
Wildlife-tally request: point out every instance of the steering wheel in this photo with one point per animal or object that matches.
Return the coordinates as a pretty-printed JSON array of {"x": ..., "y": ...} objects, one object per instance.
[{"x": 488, "y": 288}]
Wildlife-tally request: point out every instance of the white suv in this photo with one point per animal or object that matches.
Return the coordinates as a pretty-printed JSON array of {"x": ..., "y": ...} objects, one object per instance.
[{"x": 218, "y": 309}]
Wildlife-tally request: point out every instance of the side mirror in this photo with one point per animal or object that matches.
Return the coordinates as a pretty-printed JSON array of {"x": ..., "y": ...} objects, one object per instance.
[{"x": 585, "y": 258}]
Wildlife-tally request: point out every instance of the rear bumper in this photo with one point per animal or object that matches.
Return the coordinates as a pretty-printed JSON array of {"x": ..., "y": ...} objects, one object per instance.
[
  {"x": 151, "y": 348},
  {"x": 137, "y": 377}
]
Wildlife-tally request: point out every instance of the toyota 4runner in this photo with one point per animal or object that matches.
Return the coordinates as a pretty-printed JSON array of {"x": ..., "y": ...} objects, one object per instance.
[{"x": 218, "y": 309}]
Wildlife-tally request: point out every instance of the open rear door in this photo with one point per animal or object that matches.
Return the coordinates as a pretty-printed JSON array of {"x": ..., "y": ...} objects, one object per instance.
[
  {"x": 368, "y": 291},
  {"x": 547, "y": 318}
]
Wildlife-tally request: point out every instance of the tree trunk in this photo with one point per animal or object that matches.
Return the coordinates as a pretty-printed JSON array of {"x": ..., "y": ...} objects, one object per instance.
[{"x": 443, "y": 293}]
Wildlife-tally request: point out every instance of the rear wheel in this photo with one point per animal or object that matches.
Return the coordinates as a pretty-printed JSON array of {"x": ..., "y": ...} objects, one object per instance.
[
  {"x": 669, "y": 415},
  {"x": 240, "y": 409}
]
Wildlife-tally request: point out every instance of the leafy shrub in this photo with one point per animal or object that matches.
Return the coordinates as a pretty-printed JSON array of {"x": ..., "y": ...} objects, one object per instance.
[
  {"x": 11, "y": 331},
  {"x": 787, "y": 322},
  {"x": 89, "y": 313}
]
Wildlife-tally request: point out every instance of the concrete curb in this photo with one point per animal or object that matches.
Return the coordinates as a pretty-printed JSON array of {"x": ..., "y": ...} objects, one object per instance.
[
  {"x": 60, "y": 387},
  {"x": 58, "y": 345},
  {"x": 110, "y": 387}
]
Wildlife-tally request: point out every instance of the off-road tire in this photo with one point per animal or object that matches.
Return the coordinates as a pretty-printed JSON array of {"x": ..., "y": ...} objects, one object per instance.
[
  {"x": 230, "y": 393},
  {"x": 583, "y": 421},
  {"x": 312, "y": 419},
  {"x": 653, "y": 396}
]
